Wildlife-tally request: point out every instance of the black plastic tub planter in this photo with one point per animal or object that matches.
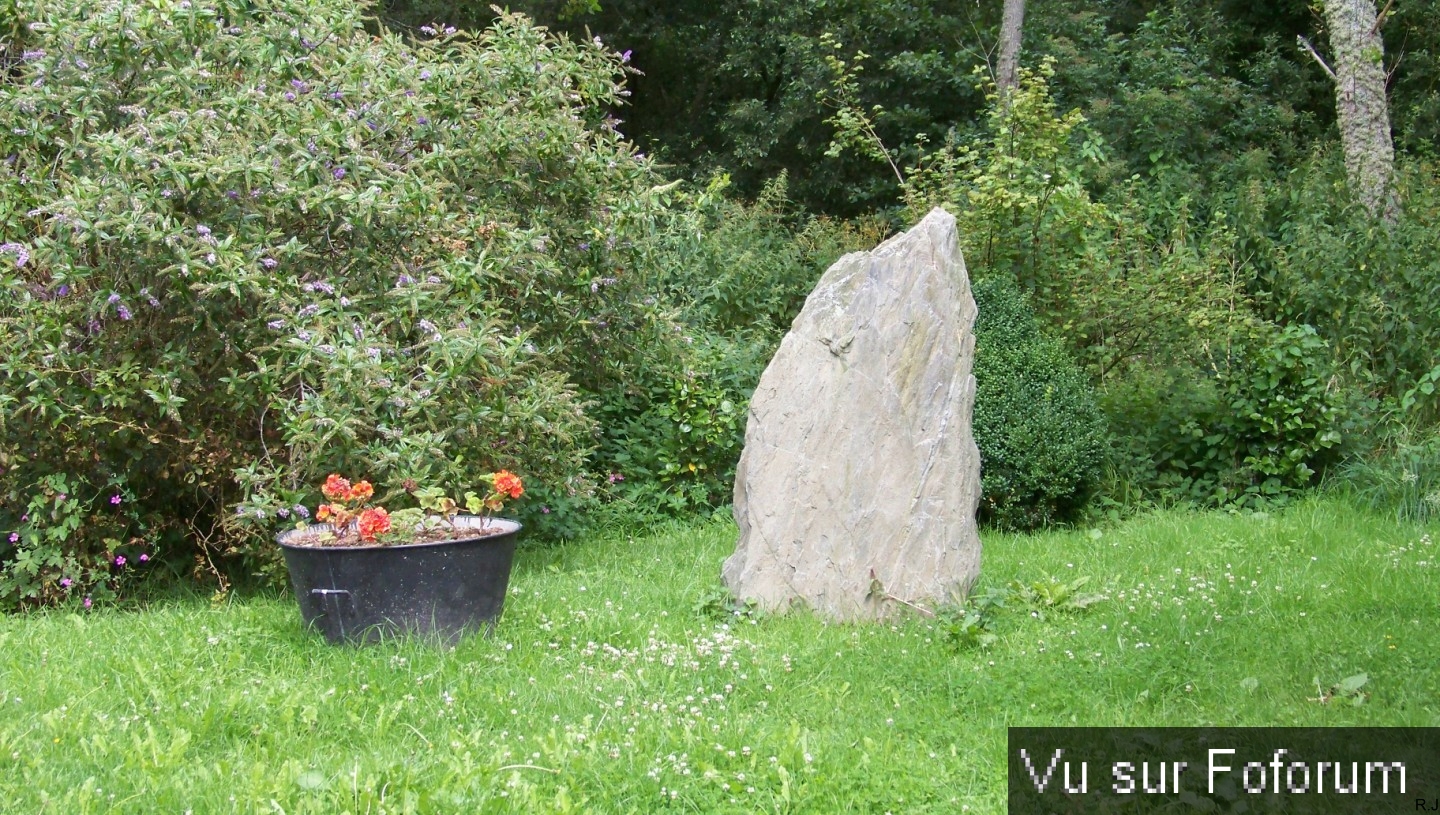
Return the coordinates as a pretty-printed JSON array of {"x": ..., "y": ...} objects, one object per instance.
[{"x": 440, "y": 590}]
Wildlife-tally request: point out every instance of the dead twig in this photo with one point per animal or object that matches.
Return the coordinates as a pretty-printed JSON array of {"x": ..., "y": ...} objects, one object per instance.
[{"x": 1304, "y": 43}]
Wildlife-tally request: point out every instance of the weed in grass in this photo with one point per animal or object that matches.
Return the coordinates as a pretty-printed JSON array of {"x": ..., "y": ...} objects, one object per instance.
[{"x": 971, "y": 624}]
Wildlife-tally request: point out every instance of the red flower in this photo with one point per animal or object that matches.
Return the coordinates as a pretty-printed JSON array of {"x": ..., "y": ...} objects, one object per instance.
[
  {"x": 336, "y": 488},
  {"x": 373, "y": 521},
  {"x": 508, "y": 483},
  {"x": 361, "y": 492}
]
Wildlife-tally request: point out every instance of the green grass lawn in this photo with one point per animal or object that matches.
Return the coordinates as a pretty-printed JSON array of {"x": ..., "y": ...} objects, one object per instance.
[{"x": 607, "y": 689}]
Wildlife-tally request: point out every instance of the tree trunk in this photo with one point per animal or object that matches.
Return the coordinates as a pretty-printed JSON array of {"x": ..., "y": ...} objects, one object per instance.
[
  {"x": 1008, "y": 73},
  {"x": 1361, "y": 105}
]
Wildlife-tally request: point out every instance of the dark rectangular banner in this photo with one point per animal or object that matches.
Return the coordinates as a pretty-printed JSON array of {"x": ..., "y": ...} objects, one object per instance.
[{"x": 1371, "y": 770}]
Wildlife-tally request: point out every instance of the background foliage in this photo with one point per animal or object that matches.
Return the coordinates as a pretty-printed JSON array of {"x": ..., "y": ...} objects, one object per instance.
[{"x": 245, "y": 244}]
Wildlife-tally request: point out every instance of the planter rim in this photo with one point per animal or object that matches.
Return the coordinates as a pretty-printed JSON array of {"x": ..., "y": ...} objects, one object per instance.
[{"x": 507, "y": 526}]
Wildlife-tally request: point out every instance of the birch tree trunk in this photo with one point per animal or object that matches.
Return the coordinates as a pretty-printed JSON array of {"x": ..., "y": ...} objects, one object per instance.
[
  {"x": 1361, "y": 104},
  {"x": 1008, "y": 72}
]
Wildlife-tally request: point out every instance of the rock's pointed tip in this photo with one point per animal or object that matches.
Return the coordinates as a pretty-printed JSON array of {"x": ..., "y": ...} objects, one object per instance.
[{"x": 938, "y": 212}]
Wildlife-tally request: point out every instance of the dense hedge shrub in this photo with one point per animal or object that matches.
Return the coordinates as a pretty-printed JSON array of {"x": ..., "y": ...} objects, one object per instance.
[
  {"x": 247, "y": 244},
  {"x": 1041, "y": 436}
]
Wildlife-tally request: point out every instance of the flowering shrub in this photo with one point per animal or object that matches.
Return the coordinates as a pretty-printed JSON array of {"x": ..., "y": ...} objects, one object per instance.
[{"x": 246, "y": 243}]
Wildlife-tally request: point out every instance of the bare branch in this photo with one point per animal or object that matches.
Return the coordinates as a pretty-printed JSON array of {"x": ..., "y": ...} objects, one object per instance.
[
  {"x": 1304, "y": 43},
  {"x": 1380, "y": 18}
]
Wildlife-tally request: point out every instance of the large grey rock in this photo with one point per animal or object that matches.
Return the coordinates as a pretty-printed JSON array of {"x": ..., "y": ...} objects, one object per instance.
[{"x": 859, "y": 480}]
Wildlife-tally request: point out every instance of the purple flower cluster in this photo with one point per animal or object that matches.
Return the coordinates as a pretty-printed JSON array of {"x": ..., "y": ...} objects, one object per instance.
[{"x": 22, "y": 255}]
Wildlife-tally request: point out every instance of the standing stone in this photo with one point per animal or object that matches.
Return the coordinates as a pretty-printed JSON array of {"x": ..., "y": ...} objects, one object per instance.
[{"x": 859, "y": 480}]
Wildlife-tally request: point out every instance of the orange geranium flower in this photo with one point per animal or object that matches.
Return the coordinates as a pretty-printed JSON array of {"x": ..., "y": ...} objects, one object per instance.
[
  {"x": 373, "y": 521},
  {"x": 361, "y": 492},
  {"x": 333, "y": 513},
  {"x": 336, "y": 488},
  {"x": 508, "y": 483}
]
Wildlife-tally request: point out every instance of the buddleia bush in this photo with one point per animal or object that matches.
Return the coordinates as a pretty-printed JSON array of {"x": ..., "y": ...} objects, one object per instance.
[
  {"x": 250, "y": 243},
  {"x": 1041, "y": 436}
]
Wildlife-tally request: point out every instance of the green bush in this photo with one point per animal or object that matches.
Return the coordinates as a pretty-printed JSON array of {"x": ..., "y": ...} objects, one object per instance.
[
  {"x": 1113, "y": 281},
  {"x": 736, "y": 273},
  {"x": 675, "y": 442},
  {"x": 1255, "y": 425},
  {"x": 1368, "y": 288},
  {"x": 1041, "y": 436},
  {"x": 247, "y": 244}
]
